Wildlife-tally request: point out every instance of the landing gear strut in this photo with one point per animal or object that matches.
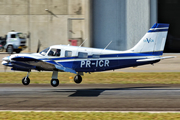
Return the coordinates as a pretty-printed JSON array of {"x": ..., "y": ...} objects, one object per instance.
[
  {"x": 55, "y": 81},
  {"x": 26, "y": 79}
]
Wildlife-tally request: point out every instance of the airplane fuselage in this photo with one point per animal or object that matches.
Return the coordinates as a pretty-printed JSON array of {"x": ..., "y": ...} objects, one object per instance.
[{"x": 81, "y": 59}]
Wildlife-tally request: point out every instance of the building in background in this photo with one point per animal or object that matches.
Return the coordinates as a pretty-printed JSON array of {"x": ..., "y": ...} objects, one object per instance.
[
  {"x": 50, "y": 21},
  {"x": 124, "y": 22}
]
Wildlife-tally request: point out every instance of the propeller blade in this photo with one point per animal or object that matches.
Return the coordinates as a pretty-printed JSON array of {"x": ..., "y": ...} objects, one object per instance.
[
  {"x": 5, "y": 68},
  {"x": 39, "y": 45}
]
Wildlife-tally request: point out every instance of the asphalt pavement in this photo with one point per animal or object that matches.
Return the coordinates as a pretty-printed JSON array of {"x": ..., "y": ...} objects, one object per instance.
[
  {"x": 90, "y": 97},
  {"x": 96, "y": 97}
]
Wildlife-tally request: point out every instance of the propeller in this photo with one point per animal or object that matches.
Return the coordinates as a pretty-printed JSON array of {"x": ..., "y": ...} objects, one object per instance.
[
  {"x": 6, "y": 60},
  {"x": 5, "y": 68},
  {"x": 39, "y": 45}
]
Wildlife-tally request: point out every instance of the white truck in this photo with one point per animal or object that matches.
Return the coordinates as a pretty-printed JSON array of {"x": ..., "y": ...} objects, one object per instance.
[{"x": 13, "y": 42}]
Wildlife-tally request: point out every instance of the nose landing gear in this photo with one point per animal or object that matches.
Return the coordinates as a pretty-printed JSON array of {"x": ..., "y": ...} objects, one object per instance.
[{"x": 26, "y": 80}]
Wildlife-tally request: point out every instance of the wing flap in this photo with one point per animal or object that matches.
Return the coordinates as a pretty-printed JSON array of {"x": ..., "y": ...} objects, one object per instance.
[
  {"x": 61, "y": 67},
  {"x": 65, "y": 69}
]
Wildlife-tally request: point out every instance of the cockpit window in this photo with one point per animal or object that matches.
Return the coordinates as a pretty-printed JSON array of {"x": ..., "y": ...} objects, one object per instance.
[
  {"x": 43, "y": 52},
  {"x": 54, "y": 52}
]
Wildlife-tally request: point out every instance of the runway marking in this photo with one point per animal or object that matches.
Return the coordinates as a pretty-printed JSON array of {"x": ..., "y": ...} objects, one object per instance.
[{"x": 93, "y": 111}]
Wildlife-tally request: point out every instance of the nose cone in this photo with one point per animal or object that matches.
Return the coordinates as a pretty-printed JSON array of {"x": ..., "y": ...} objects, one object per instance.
[{"x": 6, "y": 60}]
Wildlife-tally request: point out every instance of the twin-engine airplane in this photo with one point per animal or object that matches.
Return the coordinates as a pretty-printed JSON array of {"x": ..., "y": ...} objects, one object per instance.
[{"x": 77, "y": 60}]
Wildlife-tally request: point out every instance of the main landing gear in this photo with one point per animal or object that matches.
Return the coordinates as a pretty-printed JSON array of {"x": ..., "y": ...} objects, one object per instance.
[
  {"x": 78, "y": 79},
  {"x": 54, "y": 80}
]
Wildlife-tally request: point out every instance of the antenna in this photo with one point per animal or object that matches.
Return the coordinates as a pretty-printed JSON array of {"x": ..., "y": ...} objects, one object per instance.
[
  {"x": 107, "y": 45},
  {"x": 83, "y": 42}
]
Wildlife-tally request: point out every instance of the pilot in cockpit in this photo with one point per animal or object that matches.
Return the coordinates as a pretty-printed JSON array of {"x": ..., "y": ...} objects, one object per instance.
[
  {"x": 51, "y": 53},
  {"x": 54, "y": 52},
  {"x": 57, "y": 53}
]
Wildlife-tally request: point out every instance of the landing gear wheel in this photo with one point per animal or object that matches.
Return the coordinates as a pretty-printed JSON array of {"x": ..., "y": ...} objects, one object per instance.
[
  {"x": 10, "y": 49},
  {"x": 77, "y": 79},
  {"x": 54, "y": 82},
  {"x": 26, "y": 81},
  {"x": 18, "y": 51}
]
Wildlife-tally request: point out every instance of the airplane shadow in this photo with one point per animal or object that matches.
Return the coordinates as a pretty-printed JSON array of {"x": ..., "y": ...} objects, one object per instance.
[{"x": 95, "y": 92}]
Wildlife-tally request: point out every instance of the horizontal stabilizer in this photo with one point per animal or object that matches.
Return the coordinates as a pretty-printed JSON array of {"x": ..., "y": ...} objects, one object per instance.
[
  {"x": 167, "y": 57},
  {"x": 154, "y": 59}
]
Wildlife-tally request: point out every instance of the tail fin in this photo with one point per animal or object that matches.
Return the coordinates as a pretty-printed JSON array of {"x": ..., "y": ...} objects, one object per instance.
[{"x": 153, "y": 41}]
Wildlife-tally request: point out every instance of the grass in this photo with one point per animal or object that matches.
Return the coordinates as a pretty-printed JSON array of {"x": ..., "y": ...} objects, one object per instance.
[
  {"x": 87, "y": 116},
  {"x": 95, "y": 78}
]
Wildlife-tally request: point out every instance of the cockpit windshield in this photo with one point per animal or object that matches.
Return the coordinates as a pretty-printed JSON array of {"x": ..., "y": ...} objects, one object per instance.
[
  {"x": 54, "y": 52},
  {"x": 43, "y": 52},
  {"x": 21, "y": 35}
]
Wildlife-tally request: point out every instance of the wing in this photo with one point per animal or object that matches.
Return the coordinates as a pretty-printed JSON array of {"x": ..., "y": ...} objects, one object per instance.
[
  {"x": 61, "y": 67},
  {"x": 32, "y": 63}
]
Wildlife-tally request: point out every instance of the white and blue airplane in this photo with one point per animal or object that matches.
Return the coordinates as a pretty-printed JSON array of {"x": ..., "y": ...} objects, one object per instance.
[{"x": 79, "y": 60}]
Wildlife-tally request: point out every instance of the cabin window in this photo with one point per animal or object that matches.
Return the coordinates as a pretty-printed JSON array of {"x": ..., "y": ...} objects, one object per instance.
[
  {"x": 68, "y": 53},
  {"x": 82, "y": 55},
  {"x": 54, "y": 52},
  {"x": 95, "y": 56},
  {"x": 13, "y": 35}
]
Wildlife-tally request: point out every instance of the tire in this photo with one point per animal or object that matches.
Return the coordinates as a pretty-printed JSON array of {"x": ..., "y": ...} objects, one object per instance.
[
  {"x": 10, "y": 49},
  {"x": 54, "y": 82},
  {"x": 25, "y": 81},
  {"x": 77, "y": 79},
  {"x": 1, "y": 50},
  {"x": 18, "y": 51}
]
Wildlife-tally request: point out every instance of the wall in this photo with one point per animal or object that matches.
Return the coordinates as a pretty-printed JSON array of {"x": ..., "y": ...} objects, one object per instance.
[
  {"x": 108, "y": 24},
  {"x": 137, "y": 20},
  {"x": 29, "y": 16},
  {"x": 122, "y": 21}
]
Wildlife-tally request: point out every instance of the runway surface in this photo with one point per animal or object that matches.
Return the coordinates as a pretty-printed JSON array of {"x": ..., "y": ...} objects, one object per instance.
[{"x": 90, "y": 97}]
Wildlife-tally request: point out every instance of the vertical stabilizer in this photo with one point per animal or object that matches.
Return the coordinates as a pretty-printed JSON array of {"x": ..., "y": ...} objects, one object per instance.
[{"x": 153, "y": 41}]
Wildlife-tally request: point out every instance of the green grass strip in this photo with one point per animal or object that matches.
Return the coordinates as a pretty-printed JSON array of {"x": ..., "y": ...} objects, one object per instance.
[
  {"x": 95, "y": 78},
  {"x": 87, "y": 116}
]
